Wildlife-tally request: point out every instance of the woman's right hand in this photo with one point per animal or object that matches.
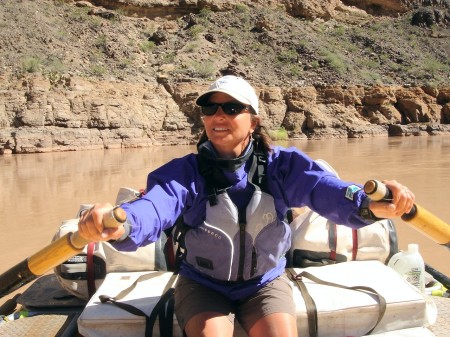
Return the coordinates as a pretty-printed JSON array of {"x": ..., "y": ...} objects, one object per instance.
[{"x": 91, "y": 228}]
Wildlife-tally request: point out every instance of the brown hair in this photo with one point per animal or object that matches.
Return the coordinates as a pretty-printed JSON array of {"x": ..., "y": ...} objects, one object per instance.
[{"x": 262, "y": 138}]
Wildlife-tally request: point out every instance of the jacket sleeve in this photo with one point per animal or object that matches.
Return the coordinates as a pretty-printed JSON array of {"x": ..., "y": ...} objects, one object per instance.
[
  {"x": 171, "y": 189},
  {"x": 302, "y": 182}
]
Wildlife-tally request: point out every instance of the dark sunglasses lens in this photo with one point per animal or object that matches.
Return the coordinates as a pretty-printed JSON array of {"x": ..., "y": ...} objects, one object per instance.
[
  {"x": 209, "y": 110},
  {"x": 228, "y": 108},
  {"x": 232, "y": 108}
]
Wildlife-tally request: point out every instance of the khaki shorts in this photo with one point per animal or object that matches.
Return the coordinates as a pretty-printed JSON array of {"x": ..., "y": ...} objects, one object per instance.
[{"x": 192, "y": 298}]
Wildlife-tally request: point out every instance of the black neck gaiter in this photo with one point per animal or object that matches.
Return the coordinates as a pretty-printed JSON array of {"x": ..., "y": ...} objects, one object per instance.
[{"x": 209, "y": 156}]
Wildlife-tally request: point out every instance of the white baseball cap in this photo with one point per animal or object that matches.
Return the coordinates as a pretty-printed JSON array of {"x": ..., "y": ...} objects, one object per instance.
[{"x": 236, "y": 87}]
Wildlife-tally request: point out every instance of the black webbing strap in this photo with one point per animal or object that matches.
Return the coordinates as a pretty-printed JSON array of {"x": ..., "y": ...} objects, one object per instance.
[
  {"x": 130, "y": 309},
  {"x": 312, "y": 311},
  {"x": 164, "y": 308},
  {"x": 311, "y": 308},
  {"x": 260, "y": 179}
]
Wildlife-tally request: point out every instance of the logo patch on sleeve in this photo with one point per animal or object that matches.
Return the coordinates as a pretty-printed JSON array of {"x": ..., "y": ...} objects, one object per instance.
[{"x": 351, "y": 190}]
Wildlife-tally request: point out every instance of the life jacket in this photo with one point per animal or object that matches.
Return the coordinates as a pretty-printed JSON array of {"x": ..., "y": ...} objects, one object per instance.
[{"x": 234, "y": 244}]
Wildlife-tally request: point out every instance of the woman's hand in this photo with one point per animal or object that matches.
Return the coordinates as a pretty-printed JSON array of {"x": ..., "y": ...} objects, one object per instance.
[
  {"x": 401, "y": 203},
  {"x": 91, "y": 226}
]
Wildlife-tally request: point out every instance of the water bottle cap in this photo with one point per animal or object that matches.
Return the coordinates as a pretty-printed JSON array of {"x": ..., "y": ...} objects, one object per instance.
[{"x": 413, "y": 248}]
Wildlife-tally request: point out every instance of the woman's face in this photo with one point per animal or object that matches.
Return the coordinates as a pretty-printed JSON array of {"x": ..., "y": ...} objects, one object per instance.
[{"x": 229, "y": 134}]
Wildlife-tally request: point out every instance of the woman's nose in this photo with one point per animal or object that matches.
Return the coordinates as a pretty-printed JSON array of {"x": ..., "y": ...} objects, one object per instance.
[{"x": 219, "y": 112}]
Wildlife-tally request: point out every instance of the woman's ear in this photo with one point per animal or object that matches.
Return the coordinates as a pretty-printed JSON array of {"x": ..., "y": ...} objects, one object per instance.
[{"x": 254, "y": 124}]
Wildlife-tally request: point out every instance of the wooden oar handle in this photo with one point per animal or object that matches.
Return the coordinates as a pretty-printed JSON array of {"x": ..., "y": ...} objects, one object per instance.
[
  {"x": 113, "y": 219},
  {"x": 69, "y": 245},
  {"x": 52, "y": 255},
  {"x": 377, "y": 191},
  {"x": 425, "y": 222}
]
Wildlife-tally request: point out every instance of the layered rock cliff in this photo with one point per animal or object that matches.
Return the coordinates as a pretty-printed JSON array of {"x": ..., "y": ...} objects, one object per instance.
[{"x": 84, "y": 114}]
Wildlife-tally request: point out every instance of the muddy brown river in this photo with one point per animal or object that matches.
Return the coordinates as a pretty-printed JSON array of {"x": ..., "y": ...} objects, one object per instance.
[{"x": 39, "y": 191}]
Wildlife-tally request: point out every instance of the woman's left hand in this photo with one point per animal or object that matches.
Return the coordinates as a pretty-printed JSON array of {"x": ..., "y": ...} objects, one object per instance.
[{"x": 402, "y": 201}]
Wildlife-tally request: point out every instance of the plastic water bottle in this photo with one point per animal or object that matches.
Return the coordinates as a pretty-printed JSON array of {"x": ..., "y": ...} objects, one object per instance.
[{"x": 410, "y": 265}]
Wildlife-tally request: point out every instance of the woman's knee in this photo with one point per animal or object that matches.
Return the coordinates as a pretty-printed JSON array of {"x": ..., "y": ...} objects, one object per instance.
[
  {"x": 274, "y": 325},
  {"x": 209, "y": 324}
]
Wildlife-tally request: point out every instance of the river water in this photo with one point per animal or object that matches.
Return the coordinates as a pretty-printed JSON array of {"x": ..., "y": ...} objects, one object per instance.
[{"x": 38, "y": 191}]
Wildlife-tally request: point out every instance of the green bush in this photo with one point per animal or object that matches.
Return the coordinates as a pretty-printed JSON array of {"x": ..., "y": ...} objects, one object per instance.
[
  {"x": 288, "y": 56},
  {"x": 433, "y": 67},
  {"x": 335, "y": 61},
  {"x": 148, "y": 46},
  {"x": 280, "y": 134},
  {"x": 79, "y": 14},
  {"x": 168, "y": 58},
  {"x": 370, "y": 76},
  {"x": 205, "y": 13},
  {"x": 191, "y": 47},
  {"x": 31, "y": 64},
  {"x": 98, "y": 70},
  {"x": 202, "y": 69},
  {"x": 196, "y": 30},
  {"x": 241, "y": 8},
  {"x": 101, "y": 42}
]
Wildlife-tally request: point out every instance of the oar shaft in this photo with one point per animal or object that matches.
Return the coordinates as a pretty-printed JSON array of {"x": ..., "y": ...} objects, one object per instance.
[
  {"x": 45, "y": 259},
  {"x": 438, "y": 276},
  {"x": 52, "y": 255},
  {"x": 15, "y": 277},
  {"x": 421, "y": 219},
  {"x": 9, "y": 306}
]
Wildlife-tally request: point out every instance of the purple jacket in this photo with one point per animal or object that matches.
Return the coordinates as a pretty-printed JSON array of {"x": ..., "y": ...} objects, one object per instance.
[{"x": 294, "y": 180}]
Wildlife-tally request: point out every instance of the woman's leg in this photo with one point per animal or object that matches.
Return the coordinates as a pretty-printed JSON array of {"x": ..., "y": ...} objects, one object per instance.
[
  {"x": 274, "y": 325},
  {"x": 209, "y": 324},
  {"x": 202, "y": 311},
  {"x": 270, "y": 311}
]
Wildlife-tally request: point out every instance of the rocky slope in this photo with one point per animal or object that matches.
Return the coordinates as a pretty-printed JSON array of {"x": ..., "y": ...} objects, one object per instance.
[{"x": 102, "y": 74}]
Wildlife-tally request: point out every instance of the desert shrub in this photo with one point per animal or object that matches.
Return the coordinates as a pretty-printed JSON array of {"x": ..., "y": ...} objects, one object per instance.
[
  {"x": 148, "y": 46},
  {"x": 280, "y": 134},
  {"x": 196, "y": 30},
  {"x": 202, "y": 69},
  {"x": 31, "y": 64},
  {"x": 335, "y": 61}
]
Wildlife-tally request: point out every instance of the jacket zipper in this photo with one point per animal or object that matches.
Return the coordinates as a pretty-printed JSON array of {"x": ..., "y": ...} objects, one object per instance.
[
  {"x": 242, "y": 224},
  {"x": 254, "y": 262}
]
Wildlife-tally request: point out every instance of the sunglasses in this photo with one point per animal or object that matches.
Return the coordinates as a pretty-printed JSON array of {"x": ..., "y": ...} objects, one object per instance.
[{"x": 231, "y": 109}]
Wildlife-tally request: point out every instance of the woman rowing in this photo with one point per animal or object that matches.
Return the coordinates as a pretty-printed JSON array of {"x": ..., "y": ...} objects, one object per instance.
[{"x": 233, "y": 196}]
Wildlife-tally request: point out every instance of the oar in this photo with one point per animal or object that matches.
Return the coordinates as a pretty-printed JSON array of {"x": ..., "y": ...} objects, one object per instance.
[
  {"x": 421, "y": 219},
  {"x": 52, "y": 255},
  {"x": 438, "y": 276},
  {"x": 9, "y": 306}
]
